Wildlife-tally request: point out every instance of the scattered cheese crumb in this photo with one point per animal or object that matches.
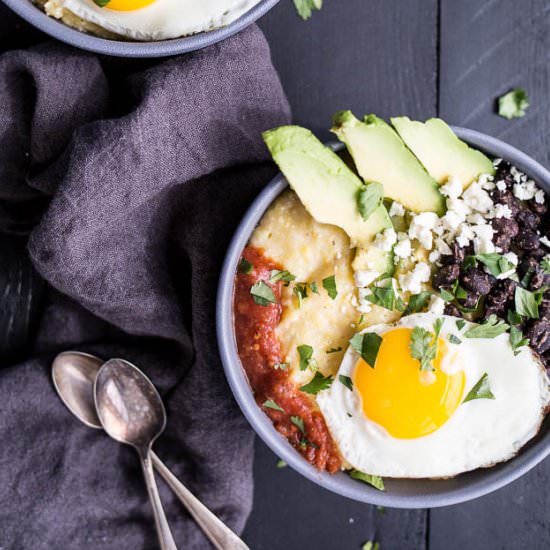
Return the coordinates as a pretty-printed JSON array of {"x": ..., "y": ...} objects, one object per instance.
[
  {"x": 365, "y": 278},
  {"x": 386, "y": 239},
  {"x": 412, "y": 280},
  {"x": 397, "y": 209},
  {"x": 436, "y": 305}
]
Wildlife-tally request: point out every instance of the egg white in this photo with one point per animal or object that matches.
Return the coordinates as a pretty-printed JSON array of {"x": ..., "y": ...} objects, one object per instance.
[
  {"x": 479, "y": 433},
  {"x": 163, "y": 18}
]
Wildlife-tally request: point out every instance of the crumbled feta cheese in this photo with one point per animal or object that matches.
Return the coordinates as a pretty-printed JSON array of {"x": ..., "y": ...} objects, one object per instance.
[
  {"x": 545, "y": 241},
  {"x": 412, "y": 280},
  {"x": 459, "y": 207},
  {"x": 436, "y": 305},
  {"x": 539, "y": 197},
  {"x": 386, "y": 239},
  {"x": 452, "y": 189},
  {"x": 363, "y": 293},
  {"x": 511, "y": 257},
  {"x": 365, "y": 307},
  {"x": 434, "y": 256},
  {"x": 365, "y": 278},
  {"x": 525, "y": 191},
  {"x": 496, "y": 162},
  {"x": 502, "y": 211},
  {"x": 483, "y": 242},
  {"x": 477, "y": 198},
  {"x": 442, "y": 247},
  {"x": 451, "y": 220},
  {"x": 397, "y": 209},
  {"x": 501, "y": 185},
  {"x": 403, "y": 248},
  {"x": 475, "y": 219},
  {"x": 464, "y": 235},
  {"x": 517, "y": 175},
  {"x": 421, "y": 226},
  {"x": 486, "y": 182}
]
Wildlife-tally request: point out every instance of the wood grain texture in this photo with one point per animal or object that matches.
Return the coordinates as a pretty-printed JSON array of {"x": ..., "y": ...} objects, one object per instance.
[
  {"x": 369, "y": 56},
  {"x": 488, "y": 47}
]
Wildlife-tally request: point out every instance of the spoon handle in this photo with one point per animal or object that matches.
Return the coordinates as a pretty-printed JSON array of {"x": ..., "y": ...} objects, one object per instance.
[
  {"x": 166, "y": 540},
  {"x": 217, "y": 532}
]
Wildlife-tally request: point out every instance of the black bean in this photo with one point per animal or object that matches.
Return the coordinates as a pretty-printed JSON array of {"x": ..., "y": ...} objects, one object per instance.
[
  {"x": 470, "y": 301},
  {"x": 502, "y": 172},
  {"x": 527, "y": 239},
  {"x": 537, "y": 208},
  {"x": 544, "y": 311},
  {"x": 499, "y": 311},
  {"x": 451, "y": 309},
  {"x": 538, "y": 333},
  {"x": 476, "y": 280},
  {"x": 505, "y": 226},
  {"x": 446, "y": 276},
  {"x": 527, "y": 219},
  {"x": 506, "y": 197}
]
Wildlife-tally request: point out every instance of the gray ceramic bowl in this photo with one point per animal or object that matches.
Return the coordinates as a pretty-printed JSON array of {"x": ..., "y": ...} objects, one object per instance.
[
  {"x": 400, "y": 493},
  {"x": 36, "y": 17}
]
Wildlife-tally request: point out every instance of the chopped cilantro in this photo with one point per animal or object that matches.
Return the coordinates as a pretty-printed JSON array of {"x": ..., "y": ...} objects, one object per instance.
[
  {"x": 262, "y": 294},
  {"x": 423, "y": 347},
  {"x": 300, "y": 291},
  {"x": 513, "y": 317},
  {"x": 306, "y": 357},
  {"x": 369, "y": 198},
  {"x": 480, "y": 391},
  {"x": 545, "y": 265},
  {"x": 318, "y": 383},
  {"x": 386, "y": 297},
  {"x": 313, "y": 287},
  {"x": 245, "y": 266},
  {"x": 454, "y": 339},
  {"x": 329, "y": 284},
  {"x": 281, "y": 463},
  {"x": 495, "y": 263},
  {"x": 278, "y": 275},
  {"x": 101, "y": 3},
  {"x": 334, "y": 350},
  {"x": 347, "y": 381},
  {"x": 527, "y": 302},
  {"x": 375, "y": 481},
  {"x": 517, "y": 341},
  {"x": 460, "y": 324},
  {"x": 446, "y": 295},
  {"x": 270, "y": 404},
  {"x": 299, "y": 423},
  {"x": 367, "y": 345},
  {"x": 491, "y": 328},
  {"x": 370, "y": 544},
  {"x": 417, "y": 302},
  {"x": 306, "y": 7},
  {"x": 513, "y": 104}
]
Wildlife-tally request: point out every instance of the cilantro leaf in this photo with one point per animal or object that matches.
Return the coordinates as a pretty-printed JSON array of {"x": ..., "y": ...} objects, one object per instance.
[
  {"x": 513, "y": 104},
  {"x": 299, "y": 423},
  {"x": 305, "y": 7},
  {"x": 262, "y": 294},
  {"x": 438, "y": 325},
  {"x": 423, "y": 347},
  {"x": 376, "y": 481},
  {"x": 446, "y": 295},
  {"x": 367, "y": 345},
  {"x": 329, "y": 284},
  {"x": 495, "y": 263},
  {"x": 517, "y": 341},
  {"x": 334, "y": 350},
  {"x": 278, "y": 275},
  {"x": 481, "y": 390},
  {"x": 369, "y": 198},
  {"x": 417, "y": 302},
  {"x": 454, "y": 339},
  {"x": 371, "y": 545},
  {"x": 313, "y": 287},
  {"x": 101, "y": 3},
  {"x": 386, "y": 297},
  {"x": 460, "y": 324},
  {"x": 281, "y": 463},
  {"x": 347, "y": 381},
  {"x": 491, "y": 328},
  {"x": 527, "y": 302},
  {"x": 545, "y": 265},
  {"x": 306, "y": 356},
  {"x": 300, "y": 291},
  {"x": 318, "y": 383},
  {"x": 245, "y": 266},
  {"x": 270, "y": 404}
]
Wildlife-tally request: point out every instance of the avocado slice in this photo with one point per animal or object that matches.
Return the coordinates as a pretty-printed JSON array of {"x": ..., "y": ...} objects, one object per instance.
[
  {"x": 441, "y": 152},
  {"x": 380, "y": 155},
  {"x": 327, "y": 188}
]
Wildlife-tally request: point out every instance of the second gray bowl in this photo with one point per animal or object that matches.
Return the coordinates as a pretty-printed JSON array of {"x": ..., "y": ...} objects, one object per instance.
[{"x": 400, "y": 493}]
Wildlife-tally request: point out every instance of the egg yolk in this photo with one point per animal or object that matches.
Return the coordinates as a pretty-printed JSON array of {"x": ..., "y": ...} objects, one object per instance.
[
  {"x": 396, "y": 394},
  {"x": 128, "y": 5}
]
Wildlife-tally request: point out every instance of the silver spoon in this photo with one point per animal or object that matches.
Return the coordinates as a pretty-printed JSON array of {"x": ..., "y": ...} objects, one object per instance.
[
  {"x": 131, "y": 411},
  {"x": 74, "y": 375}
]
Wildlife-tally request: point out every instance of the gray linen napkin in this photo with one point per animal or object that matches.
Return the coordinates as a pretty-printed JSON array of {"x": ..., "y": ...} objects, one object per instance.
[{"x": 143, "y": 206}]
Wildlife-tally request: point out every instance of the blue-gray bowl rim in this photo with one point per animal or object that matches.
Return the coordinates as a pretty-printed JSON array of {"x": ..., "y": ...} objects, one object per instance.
[
  {"x": 119, "y": 48},
  {"x": 400, "y": 493}
]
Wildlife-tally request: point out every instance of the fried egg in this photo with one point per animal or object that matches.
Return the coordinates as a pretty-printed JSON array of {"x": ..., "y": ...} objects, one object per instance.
[
  {"x": 155, "y": 19},
  {"x": 399, "y": 421}
]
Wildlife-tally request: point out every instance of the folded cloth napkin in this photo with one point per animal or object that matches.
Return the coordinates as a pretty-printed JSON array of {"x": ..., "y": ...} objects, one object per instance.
[{"x": 142, "y": 207}]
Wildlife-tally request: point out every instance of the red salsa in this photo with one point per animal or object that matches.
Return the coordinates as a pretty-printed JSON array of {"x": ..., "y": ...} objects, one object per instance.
[{"x": 260, "y": 353}]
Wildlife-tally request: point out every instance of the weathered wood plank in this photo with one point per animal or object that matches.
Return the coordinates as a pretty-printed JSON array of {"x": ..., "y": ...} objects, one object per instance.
[{"x": 488, "y": 47}]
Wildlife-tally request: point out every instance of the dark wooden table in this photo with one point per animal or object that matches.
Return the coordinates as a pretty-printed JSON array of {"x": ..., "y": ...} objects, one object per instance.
[{"x": 422, "y": 58}]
